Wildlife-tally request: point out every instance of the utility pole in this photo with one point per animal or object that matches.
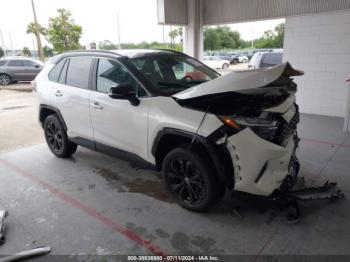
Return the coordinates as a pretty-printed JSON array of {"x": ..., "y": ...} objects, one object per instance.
[
  {"x": 119, "y": 45},
  {"x": 11, "y": 44},
  {"x": 33, "y": 47},
  {"x": 2, "y": 43},
  {"x": 37, "y": 34}
]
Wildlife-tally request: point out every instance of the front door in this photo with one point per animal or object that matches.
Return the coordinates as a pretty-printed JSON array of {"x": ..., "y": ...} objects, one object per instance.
[
  {"x": 117, "y": 123},
  {"x": 32, "y": 69}
]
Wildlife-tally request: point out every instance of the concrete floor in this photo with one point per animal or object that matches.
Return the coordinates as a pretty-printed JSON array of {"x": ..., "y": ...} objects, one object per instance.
[
  {"x": 18, "y": 118},
  {"x": 96, "y": 205}
]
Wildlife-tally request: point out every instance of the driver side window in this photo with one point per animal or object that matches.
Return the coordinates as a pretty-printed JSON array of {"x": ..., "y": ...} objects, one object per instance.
[{"x": 110, "y": 73}]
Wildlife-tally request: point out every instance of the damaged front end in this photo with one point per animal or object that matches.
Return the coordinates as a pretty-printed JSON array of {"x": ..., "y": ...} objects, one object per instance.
[
  {"x": 259, "y": 130},
  {"x": 259, "y": 118}
]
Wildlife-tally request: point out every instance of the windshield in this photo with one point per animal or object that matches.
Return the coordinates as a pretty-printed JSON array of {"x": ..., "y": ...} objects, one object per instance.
[{"x": 170, "y": 74}]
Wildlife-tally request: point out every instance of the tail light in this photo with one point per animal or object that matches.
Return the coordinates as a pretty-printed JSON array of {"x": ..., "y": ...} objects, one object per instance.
[{"x": 34, "y": 85}]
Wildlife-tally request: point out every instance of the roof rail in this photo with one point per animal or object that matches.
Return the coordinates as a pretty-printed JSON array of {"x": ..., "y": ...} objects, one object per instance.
[{"x": 92, "y": 51}]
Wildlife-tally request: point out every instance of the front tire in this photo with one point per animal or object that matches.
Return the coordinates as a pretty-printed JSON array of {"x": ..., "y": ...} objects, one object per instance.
[
  {"x": 190, "y": 180},
  {"x": 5, "y": 79},
  {"x": 56, "y": 138}
]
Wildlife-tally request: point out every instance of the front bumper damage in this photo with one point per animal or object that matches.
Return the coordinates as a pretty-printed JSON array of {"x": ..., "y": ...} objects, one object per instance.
[{"x": 260, "y": 167}]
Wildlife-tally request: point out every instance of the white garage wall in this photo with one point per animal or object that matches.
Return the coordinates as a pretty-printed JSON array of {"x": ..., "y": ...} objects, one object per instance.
[{"x": 320, "y": 45}]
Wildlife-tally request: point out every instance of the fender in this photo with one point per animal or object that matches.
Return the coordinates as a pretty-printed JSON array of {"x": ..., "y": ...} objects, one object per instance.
[
  {"x": 54, "y": 109},
  {"x": 219, "y": 156}
]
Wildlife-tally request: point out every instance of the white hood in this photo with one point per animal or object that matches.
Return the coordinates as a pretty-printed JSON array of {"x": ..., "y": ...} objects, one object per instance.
[{"x": 240, "y": 80}]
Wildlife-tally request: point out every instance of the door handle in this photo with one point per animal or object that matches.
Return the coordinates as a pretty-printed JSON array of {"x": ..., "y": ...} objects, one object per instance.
[
  {"x": 58, "y": 93},
  {"x": 97, "y": 105}
]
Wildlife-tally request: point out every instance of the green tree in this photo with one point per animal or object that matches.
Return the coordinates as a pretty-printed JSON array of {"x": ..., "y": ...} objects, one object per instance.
[
  {"x": 37, "y": 30},
  {"x": 107, "y": 45},
  {"x": 211, "y": 39},
  {"x": 63, "y": 33},
  {"x": 181, "y": 33},
  {"x": 2, "y": 53},
  {"x": 26, "y": 51},
  {"x": 221, "y": 37},
  {"x": 271, "y": 39},
  {"x": 32, "y": 28},
  {"x": 279, "y": 39},
  {"x": 173, "y": 34},
  {"x": 48, "y": 52}
]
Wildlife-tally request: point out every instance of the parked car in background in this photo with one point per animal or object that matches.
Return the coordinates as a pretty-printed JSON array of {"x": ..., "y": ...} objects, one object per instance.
[
  {"x": 248, "y": 54},
  {"x": 236, "y": 58},
  {"x": 216, "y": 62},
  {"x": 14, "y": 69},
  {"x": 265, "y": 59}
]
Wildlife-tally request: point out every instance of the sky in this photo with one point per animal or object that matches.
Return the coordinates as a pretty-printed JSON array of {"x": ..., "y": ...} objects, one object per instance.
[{"x": 137, "y": 21}]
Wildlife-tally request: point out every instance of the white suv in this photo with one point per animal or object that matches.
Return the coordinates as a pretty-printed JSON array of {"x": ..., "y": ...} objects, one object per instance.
[{"x": 206, "y": 132}]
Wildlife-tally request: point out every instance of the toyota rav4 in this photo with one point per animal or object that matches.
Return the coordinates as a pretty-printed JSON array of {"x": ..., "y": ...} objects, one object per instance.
[{"x": 205, "y": 132}]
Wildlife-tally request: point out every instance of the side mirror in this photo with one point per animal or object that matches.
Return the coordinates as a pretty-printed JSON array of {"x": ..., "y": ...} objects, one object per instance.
[
  {"x": 37, "y": 66},
  {"x": 125, "y": 92}
]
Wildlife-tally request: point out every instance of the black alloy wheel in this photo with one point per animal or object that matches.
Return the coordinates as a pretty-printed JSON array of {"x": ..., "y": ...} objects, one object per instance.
[
  {"x": 186, "y": 181},
  {"x": 56, "y": 138},
  {"x": 190, "y": 180}
]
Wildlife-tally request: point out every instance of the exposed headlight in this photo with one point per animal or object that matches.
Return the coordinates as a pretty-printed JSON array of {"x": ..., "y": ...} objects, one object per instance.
[{"x": 263, "y": 127}]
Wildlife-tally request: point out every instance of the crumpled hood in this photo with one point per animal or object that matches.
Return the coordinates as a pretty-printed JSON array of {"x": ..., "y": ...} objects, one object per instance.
[{"x": 239, "y": 81}]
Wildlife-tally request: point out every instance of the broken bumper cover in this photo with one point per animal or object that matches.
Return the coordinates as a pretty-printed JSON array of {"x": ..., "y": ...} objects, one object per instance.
[{"x": 260, "y": 166}]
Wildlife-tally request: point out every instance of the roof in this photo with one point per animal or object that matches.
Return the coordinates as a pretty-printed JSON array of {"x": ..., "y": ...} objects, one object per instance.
[{"x": 130, "y": 53}]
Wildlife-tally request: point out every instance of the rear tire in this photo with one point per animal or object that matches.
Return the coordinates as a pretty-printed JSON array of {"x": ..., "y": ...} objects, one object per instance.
[
  {"x": 56, "y": 138},
  {"x": 190, "y": 180},
  {"x": 235, "y": 61},
  {"x": 225, "y": 66},
  {"x": 5, "y": 79}
]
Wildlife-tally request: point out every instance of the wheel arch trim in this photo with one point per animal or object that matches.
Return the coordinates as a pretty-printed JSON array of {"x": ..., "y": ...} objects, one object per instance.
[
  {"x": 226, "y": 176},
  {"x": 55, "y": 110}
]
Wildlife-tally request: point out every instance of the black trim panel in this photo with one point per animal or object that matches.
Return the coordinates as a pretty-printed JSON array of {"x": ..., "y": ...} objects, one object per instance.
[
  {"x": 219, "y": 156},
  {"x": 114, "y": 152},
  {"x": 124, "y": 155},
  {"x": 54, "y": 109}
]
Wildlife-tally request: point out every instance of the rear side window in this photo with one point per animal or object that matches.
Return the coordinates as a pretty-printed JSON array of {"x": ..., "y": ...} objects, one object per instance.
[
  {"x": 2, "y": 62},
  {"x": 271, "y": 59},
  {"x": 56, "y": 71},
  {"x": 16, "y": 63},
  {"x": 79, "y": 71},
  {"x": 30, "y": 63}
]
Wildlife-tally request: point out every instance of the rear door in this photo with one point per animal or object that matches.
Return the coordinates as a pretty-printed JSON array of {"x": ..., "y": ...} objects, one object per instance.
[
  {"x": 71, "y": 95},
  {"x": 16, "y": 69}
]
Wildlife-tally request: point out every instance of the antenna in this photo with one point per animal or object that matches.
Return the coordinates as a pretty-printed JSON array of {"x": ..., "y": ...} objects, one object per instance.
[
  {"x": 119, "y": 46},
  {"x": 200, "y": 124}
]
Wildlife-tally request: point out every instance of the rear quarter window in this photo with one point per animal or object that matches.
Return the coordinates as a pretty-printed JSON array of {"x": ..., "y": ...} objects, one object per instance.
[
  {"x": 271, "y": 59},
  {"x": 3, "y": 62},
  {"x": 56, "y": 71}
]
